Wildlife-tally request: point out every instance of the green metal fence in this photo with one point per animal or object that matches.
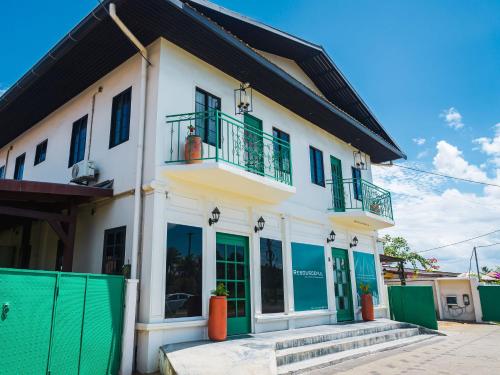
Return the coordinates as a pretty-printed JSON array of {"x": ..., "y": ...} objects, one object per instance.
[
  {"x": 228, "y": 139},
  {"x": 358, "y": 194},
  {"x": 413, "y": 304},
  {"x": 490, "y": 302},
  {"x": 60, "y": 323}
]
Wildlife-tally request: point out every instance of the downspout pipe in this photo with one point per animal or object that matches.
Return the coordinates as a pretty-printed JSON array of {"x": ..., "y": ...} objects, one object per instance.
[{"x": 136, "y": 234}]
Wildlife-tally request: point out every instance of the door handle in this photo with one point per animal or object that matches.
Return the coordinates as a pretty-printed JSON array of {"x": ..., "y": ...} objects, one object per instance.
[{"x": 5, "y": 310}]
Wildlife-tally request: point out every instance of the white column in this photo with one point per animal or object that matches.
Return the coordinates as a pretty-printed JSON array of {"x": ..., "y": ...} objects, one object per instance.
[
  {"x": 127, "y": 361},
  {"x": 353, "y": 276},
  {"x": 330, "y": 289},
  {"x": 255, "y": 266},
  {"x": 209, "y": 257},
  {"x": 287, "y": 269},
  {"x": 153, "y": 255},
  {"x": 476, "y": 299},
  {"x": 380, "y": 277},
  {"x": 438, "y": 298}
]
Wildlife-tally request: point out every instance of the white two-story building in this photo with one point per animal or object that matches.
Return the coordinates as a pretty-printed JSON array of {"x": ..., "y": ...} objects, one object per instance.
[{"x": 235, "y": 152}]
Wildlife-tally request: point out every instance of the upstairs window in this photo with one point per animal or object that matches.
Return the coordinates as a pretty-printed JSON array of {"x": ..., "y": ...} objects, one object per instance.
[
  {"x": 281, "y": 149},
  {"x": 41, "y": 152},
  {"x": 19, "y": 168},
  {"x": 356, "y": 181},
  {"x": 114, "y": 251},
  {"x": 2, "y": 172},
  {"x": 317, "y": 169},
  {"x": 120, "y": 118},
  {"x": 78, "y": 139},
  {"x": 206, "y": 125}
]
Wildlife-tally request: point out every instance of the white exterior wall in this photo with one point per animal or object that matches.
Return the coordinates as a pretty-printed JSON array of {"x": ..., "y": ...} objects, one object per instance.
[{"x": 301, "y": 218}]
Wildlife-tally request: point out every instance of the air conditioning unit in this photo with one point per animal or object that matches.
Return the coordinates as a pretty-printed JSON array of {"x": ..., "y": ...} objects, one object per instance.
[{"x": 83, "y": 172}]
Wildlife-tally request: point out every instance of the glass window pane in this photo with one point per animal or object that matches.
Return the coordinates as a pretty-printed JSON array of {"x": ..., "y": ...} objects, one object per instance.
[
  {"x": 271, "y": 271},
  {"x": 184, "y": 271},
  {"x": 240, "y": 290},
  {"x": 221, "y": 271},
  {"x": 231, "y": 309},
  {"x": 364, "y": 269},
  {"x": 241, "y": 308},
  {"x": 240, "y": 253},
  {"x": 231, "y": 271}
]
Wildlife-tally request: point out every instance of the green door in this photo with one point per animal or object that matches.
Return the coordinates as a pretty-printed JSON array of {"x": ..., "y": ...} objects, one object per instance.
[
  {"x": 342, "y": 282},
  {"x": 233, "y": 270},
  {"x": 254, "y": 144},
  {"x": 337, "y": 185}
]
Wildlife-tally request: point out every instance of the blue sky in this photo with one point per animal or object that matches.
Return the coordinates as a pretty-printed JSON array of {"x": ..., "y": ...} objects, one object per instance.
[{"x": 410, "y": 61}]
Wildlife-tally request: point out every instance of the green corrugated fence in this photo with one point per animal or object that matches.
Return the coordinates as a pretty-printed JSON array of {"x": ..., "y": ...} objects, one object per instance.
[
  {"x": 413, "y": 304},
  {"x": 60, "y": 323},
  {"x": 490, "y": 302}
]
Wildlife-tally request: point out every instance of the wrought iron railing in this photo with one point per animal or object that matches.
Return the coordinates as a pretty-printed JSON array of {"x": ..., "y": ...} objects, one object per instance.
[
  {"x": 358, "y": 194},
  {"x": 213, "y": 135}
]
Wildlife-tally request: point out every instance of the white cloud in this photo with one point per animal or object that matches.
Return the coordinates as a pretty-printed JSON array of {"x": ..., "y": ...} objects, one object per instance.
[
  {"x": 453, "y": 118},
  {"x": 419, "y": 141},
  {"x": 449, "y": 160},
  {"x": 423, "y": 154},
  {"x": 428, "y": 215},
  {"x": 490, "y": 146}
]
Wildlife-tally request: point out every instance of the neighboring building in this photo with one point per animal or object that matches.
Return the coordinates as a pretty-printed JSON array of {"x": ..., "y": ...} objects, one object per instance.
[{"x": 301, "y": 160}]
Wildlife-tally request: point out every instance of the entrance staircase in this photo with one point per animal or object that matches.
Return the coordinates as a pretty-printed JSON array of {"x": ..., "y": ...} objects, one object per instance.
[{"x": 305, "y": 352}]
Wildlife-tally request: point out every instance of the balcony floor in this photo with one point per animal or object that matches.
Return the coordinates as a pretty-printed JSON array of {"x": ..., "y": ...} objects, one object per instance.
[
  {"x": 226, "y": 177},
  {"x": 361, "y": 218}
]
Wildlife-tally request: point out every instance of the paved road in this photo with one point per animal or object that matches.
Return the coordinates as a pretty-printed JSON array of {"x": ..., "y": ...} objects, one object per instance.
[{"x": 467, "y": 349}]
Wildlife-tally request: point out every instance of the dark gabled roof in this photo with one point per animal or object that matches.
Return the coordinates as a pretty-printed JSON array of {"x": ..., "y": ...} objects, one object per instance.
[
  {"x": 96, "y": 46},
  {"x": 311, "y": 58}
]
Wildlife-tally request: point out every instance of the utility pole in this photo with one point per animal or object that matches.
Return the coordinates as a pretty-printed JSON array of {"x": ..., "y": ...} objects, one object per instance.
[{"x": 477, "y": 264}]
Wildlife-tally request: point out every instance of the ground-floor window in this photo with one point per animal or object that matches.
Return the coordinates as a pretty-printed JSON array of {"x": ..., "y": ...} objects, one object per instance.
[
  {"x": 309, "y": 281},
  {"x": 364, "y": 269},
  {"x": 114, "y": 251},
  {"x": 184, "y": 271},
  {"x": 271, "y": 276}
]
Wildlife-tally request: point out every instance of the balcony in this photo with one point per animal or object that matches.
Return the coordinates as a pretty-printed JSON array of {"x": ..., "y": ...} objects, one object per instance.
[
  {"x": 356, "y": 201},
  {"x": 217, "y": 151}
]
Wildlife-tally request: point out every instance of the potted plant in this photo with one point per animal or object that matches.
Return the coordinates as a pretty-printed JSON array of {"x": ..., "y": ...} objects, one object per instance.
[
  {"x": 366, "y": 303},
  {"x": 193, "y": 149},
  {"x": 217, "y": 315}
]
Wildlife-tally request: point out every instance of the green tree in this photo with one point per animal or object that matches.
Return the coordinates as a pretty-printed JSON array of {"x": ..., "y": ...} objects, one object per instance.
[{"x": 398, "y": 247}]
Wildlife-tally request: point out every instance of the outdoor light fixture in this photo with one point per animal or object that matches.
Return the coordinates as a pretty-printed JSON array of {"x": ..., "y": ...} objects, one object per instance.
[
  {"x": 260, "y": 225},
  {"x": 354, "y": 242},
  {"x": 243, "y": 99},
  {"x": 215, "y": 216},
  {"x": 360, "y": 160},
  {"x": 331, "y": 237}
]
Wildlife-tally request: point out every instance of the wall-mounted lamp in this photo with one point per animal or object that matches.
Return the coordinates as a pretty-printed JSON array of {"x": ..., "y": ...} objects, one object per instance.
[
  {"x": 215, "y": 216},
  {"x": 243, "y": 99},
  {"x": 360, "y": 160},
  {"x": 331, "y": 237},
  {"x": 260, "y": 225},
  {"x": 354, "y": 242}
]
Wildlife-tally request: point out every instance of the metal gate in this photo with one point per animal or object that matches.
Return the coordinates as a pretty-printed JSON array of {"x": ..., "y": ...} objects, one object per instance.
[
  {"x": 490, "y": 297},
  {"x": 60, "y": 323},
  {"x": 413, "y": 304}
]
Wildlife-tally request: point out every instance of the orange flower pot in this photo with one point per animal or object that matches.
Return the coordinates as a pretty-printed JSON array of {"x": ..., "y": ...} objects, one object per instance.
[
  {"x": 367, "y": 307},
  {"x": 193, "y": 149},
  {"x": 217, "y": 318}
]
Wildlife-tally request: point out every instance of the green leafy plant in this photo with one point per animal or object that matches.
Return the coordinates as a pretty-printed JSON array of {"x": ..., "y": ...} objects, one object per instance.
[
  {"x": 220, "y": 291},
  {"x": 365, "y": 288},
  {"x": 398, "y": 247}
]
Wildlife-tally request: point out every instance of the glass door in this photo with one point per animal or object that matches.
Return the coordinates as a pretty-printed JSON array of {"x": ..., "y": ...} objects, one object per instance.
[
  {"x": 342, "y": 282},
  {"x": 337, "y": 185},
  {"x": 233, "y": 270}
]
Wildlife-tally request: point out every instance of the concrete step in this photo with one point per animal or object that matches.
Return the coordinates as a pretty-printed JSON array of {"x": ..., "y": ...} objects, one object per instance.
[
  {"x": 302, "y": 353},
  {"x": 364, "y": 329},
  {"x": 336, "y": 358}
]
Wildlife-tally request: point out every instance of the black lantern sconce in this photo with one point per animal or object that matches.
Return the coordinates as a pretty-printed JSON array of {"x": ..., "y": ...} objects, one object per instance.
[
  {"x": 360, "y": 160},
  {"x": 243, "y": 99},
  {"x": 260, "y": 225},
  {"x": 215, "y": 216},
  {"x": 331, "y": 237},
  {"x": 354, "y": 242}
]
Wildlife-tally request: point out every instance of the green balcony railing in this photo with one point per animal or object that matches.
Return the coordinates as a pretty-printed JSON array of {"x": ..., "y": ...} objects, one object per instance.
[
  {"x": 358, "y": 194},
  {"x": 213, "y": 135}
]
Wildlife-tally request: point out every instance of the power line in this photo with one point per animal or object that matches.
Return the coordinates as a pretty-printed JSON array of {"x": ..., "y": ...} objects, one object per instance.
[
  {"x": 459, "y": 242},
  {"x": 445, "y": 176}
]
